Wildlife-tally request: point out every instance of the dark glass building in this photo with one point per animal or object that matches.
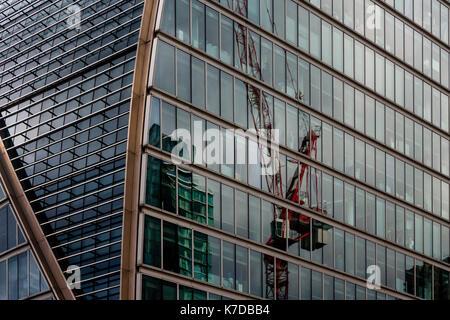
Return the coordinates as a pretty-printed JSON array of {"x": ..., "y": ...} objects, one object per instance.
[{"x": 137, "y": 137}]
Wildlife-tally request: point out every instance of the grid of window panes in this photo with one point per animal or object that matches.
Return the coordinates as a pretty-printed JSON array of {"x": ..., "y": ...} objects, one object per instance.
[
  {"x": 344, "y": 201},
  {"x": 342, "y": 100},
  {"x": 20, "y": 276},
  {"x": 381, "y": 164},
  {"x": 249, "y": 217},
  {"x": 432, "y": 15},
  {"x": 369, "y": 163},
  {"x": 401, "y": 39},
  {"x": 65, "y": 93},
  {"x": 227, "y": 265},
  {"x": 346, "y": 53}
]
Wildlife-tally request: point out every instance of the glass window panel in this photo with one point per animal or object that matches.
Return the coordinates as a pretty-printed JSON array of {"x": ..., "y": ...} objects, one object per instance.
[
  {"x": 359, "y": 111},
  {"x": 338, "y": 149},
  {"x": 338, "y": 193},
  {"x": 436, "y": 240},
  {"x": 241, "y": 269},
  {"x": 390, "y": 36},
  {"x": 409, "y": 137},
  {"x": 292, "y": 76},
  {"x": 177, "y": 249},
  {"x": 370, "y": 66},
  {"x": 229, "y": 265},
  {"x": 227, "y": 208},
  {"x": 399, "y": 39},
  {"x": 379, "y": 122},
  {"x": 370, "y": 213},
  {"x": 292, "y": 127},
  {"x": 291, "y": 22},
  {"x": 183, "y": 75},
  {"x": 428, "y": 237},
  {"x": 327, "y": 94},
  {"x": 213, "y": 98},
  {"x": 326, "y": 43},
  {"x": 198, "y": 24},
  {"x": 399, "y": 132},
  {"x": 227, "y": 40},
  {"x": 304, "y": 81},
  {"x": 338, "y": 49},
  {"x": 315, "y": 87},
  {"x": 359, "y": 62},
  {"x": 401, "y": 280},
  {"x": 303, "y": 28},
  {"x": 349, "y": 105},
  {"x": 241, "y": 103},
  {"x": 390, "y": 84},
  {"x": 279, "y": 69},
  {"x": 327, "y": 144},
  {"x": 327, "y": 194},
  {"x": 359, "y": 16},
  {"x": 198, "y": 82},
  {"x": 182, "y": 20},
  {"x": 360, "y": 257},
  {"x": 390, "y": 268},
  {"x": 349, "y": 253},
  {"x": 207, "y": 263},
  {"x": 267, "y": 15},
  {"x": 317, "y": 287},
  {"x": 381, "y": 262},
  {"x": 379, "y": 74},
  {"x": 256, "y": 264},
  {"x": 293, "y": 279},
  {"x": 348, "y": 54},
  {"x": 214, "y": 203},
  {"x": 427, "y": 57},
  {"x": 168, "y": 17},
  {"x": 380, "y": 177},
  {"x": 423, "y": 280},
  {"x": 349, "y": 155},
  {"x": 370, "y": 165},
  {"x": 338, "y": 99},
  {"x": 315, "y": 37},
  {"x": 399, "y": 86},
  {"x": 339, "y": 243},
  {"x": 360, "y": 160},
  {"x": 254, "y": 218},
  {"x": 381, "y": 217},
  {"x": 400, "y": 179},
  {"x": 306, "y": 284},
  {"x": 164, "y": 77},
  {"x": 212, "y": 32},
  {"x": 152, "y": 242},
  {"x": 390, "y": 127},
  {"x": 348, "y": 13},
  {"x": 242, "y": 214},
  {"x": 226, "y": 91}
]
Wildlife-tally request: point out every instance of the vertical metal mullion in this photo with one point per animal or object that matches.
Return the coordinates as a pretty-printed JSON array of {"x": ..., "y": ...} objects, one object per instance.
[
  {"x": 221, "y": 263},
  {"x": 249, "y": 271}
]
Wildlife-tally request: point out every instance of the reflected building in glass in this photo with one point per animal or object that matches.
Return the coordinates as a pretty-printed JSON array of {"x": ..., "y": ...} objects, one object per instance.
[{"x": 140, "y": 144}]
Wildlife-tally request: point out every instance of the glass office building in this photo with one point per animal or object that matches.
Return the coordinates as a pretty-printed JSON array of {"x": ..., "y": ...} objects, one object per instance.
[{"x": 111, "y": 129}]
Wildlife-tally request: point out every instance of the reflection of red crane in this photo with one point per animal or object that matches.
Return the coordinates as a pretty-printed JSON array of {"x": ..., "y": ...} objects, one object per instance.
[{"x": 288, "y": 227}]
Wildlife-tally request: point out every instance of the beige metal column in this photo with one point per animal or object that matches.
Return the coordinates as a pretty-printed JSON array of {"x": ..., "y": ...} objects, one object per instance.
[{"x": 134, "y": 152}]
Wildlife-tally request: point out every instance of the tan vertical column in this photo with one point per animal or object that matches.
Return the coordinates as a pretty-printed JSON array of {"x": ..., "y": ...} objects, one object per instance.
[
  {"x": 33, "y": 231},
  {"x": 134, "y": 152}
]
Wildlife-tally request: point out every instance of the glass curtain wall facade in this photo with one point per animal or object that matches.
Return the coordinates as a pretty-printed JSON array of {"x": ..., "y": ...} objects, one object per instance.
[
  {"x": 363, "y": 179},
  {"x": 66, "y": 72},
  {"x": 20, "y": 275}
]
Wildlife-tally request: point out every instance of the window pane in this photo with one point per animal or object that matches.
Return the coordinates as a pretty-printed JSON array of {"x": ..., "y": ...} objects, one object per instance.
[{"x": 165, "y": 68}]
